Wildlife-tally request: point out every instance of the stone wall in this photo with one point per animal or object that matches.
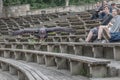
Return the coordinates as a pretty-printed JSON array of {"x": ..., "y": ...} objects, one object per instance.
[
  {"x": 61, "y": 9},
  {"x": 19, "y": 10},
  {"x": 24, "y": 10}
]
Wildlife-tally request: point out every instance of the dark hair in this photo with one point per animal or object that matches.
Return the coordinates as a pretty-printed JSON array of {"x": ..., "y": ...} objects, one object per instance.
[
  {"x": 106, "y": 6},
  {"x": 113, "y": 4}
]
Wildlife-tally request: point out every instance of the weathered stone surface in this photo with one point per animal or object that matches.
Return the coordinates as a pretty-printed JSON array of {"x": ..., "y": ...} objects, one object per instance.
[
  {"x": 1, "y": 7},
  {"x": 6, "y": 76}
]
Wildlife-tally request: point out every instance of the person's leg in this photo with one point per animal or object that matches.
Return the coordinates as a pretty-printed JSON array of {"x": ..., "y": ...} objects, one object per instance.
[
  {"x": 100, "y": 31},
  {"x": 89, "y": 37},
  {"x": 92, "y": 32},
  {"x": 106, "y": 32},
  {"x": 106, "y": 35}
]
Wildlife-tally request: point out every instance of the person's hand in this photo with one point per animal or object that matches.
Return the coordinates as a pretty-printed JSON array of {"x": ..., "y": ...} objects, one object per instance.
[
  {"x": 110, "y": 24},
  {"x": 100, "y": 11}
]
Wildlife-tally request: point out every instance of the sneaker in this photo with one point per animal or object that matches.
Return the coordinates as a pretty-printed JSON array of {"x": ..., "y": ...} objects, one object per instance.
[
  {"x": 104, "y": 41},
  {"x": 98, "y": 41}
]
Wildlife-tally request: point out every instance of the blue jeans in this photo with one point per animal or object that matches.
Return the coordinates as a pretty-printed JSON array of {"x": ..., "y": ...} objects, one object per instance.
[{"x": 115, "y": 37}]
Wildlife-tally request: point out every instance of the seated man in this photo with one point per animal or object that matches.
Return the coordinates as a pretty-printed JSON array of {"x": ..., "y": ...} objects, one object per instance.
[
  {"x": 104, "y": 12},
  {"x": 98, "y": 31}
]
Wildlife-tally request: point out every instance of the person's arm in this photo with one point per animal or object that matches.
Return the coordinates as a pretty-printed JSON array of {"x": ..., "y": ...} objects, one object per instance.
[
  {"x": 110, "y": 24},
  {"x": 107, "y": 19}
]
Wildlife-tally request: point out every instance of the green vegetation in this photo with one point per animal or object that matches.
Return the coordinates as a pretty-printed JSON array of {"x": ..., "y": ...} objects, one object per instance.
[{"x": 35, "y": 4}]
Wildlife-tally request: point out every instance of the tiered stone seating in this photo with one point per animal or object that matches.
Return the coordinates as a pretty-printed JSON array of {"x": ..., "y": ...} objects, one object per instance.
[
  {"x": 60, "y": 50},
  {"x": 92, "y": 67},
  {"x": 62, "y": 24},
  {"x": 26, "y": 22},
  {"x": 23, "y": 71},
  {"x": 72, "y": 19},
  {"x": 118, "y": 5},
  {"x": 91, "y": 24},
  {"x": 53, "y": 15},
  {"x": 77, "y": 24},
  {"x": 96, "y": 50},
  {"x": 85, "y": 15}
]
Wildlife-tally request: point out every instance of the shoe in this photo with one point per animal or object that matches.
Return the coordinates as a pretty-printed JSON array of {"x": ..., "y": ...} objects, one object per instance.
[
  {"x": 98, "y": 41},
  {"x": 105, "y": 41},
  {"x": 101, "y": 41}
]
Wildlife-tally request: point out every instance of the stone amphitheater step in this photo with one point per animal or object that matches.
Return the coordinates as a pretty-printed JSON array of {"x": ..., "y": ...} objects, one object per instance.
[
  {"x": 7, "y": 76},
  {"x": 34, "y": 18},
  {"x": 72, "y": 63},
  {"x": 97, "y": 50},
  {"x": 51, "y": 38},
  {"x": 20, "y": 70},
  {"x": 114, "y": 68},
  {"x": 113, "y": 71},
  {"x": 53, "y": 74},
  {"x": 112, "y": 78},
  {"x": 61, "y": 75}
]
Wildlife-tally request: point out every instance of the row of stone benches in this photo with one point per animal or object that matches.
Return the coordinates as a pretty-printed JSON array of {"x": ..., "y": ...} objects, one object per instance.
[
  {"x": 30, "y": 19},
  {"x": 80, "y": 29},
  {"x": 70, "y": 21},
  {"x": 21, "y": 70},
  {"x": 59, "y": 24},
  {"x": 23, "y": 19},
  {"x": 97, "y": 50},
  {"x": 78, "y": 32},
  {"x": 52, "y": 38},
  {"x": 86, "y": 66}
]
